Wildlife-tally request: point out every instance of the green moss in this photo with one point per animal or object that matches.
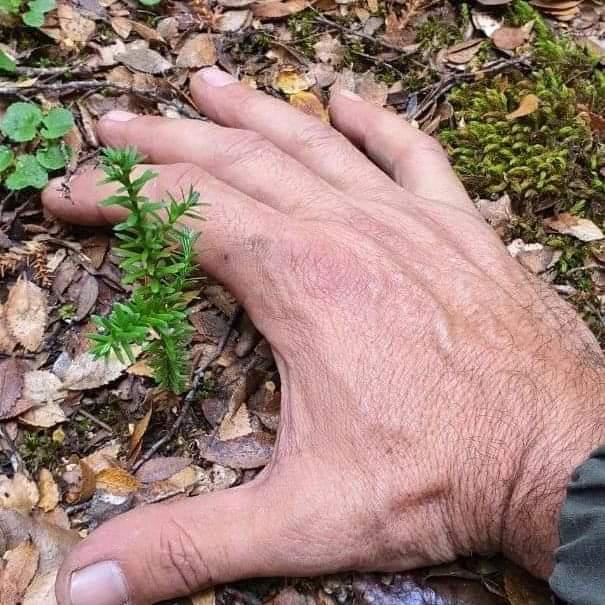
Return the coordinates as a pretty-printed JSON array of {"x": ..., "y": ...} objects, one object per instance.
[
  {"x": 303, "y": 28},
  {"x": 38, "y": 450},
  {"x": 436, "y": 33},
  {"x": 548, "y": 158}
]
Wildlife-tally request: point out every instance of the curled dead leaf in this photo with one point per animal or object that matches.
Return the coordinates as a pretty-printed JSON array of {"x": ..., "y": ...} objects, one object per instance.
[
  {"x": 198, "y": 51},
  {"x": 580, "y": 228},
  {"x": 11, "y": 386},
  {"x": 510, "y": 38},
  {"x": 291, "y": 81},
  {"x": 26, "y": 313},
  {"x": 277, "y": 10},
  {"x": 20, "y": 566},
  {"x": 136, "y": 439},
  {"x": 49, "y": 491},
  {"x": 527, "y": 105},
  {"x": 117, "y": 481}
]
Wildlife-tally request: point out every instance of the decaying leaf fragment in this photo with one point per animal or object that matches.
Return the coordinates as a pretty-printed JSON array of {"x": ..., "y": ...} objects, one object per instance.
[
  {"x": 117, "y": 481},
  {"x": 198, "y": 51},
  {"x": 26, "y": 313},
  {"x": 528, "y": 104},
  {"x": 49, "y": 491},
  {"x": 291, "y": 81},
  {"x": 580, "y": 228},
  {"x": 20, "y": 565},
  {"x": 18, "y": 493},
  {"x": 510, "y": 38}
]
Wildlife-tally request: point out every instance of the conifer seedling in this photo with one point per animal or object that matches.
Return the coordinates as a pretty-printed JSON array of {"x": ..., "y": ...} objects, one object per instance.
[{"x": 157, "y": 260}]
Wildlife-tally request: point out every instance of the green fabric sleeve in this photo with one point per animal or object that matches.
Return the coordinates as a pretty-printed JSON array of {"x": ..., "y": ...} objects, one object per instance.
[{"x": 579, "y": 574}]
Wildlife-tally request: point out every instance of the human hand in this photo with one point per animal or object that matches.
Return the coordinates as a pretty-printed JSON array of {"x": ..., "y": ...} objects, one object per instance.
[{"x": 435, "y": 397}]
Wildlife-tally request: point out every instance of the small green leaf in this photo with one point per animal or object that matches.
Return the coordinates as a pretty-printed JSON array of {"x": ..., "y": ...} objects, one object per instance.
[
  {"x": 27, "y": 173},
  {"x": 41, "y": 6},
  {"x": 10, "y": 6},
  {"x": 33, "y": 18},
  {"x": 150, "y": 2},
  {"x": 53, "y": 157},
  {"x": 6, "y": 157},
  {"x": 58, "y": 122},
  {"x": 6, "y": 63},
  {"x": 20, "y": 122}
]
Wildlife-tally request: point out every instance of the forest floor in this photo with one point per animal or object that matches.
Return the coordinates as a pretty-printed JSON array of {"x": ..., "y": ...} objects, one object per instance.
[{"x": 517, "y": 97}]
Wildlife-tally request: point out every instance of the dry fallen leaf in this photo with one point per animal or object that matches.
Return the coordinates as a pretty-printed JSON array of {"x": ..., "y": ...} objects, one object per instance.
[
  {"x": 26, "y": 313},
  {"x": 580, "y": 228},
  {"x": 144, "y": 60},
  {"x": 291, "y": 81},
  {"x": 250, "y": 451},
  {"x": 161, "y": 468},
  {"x": 523, "y": 589},
  {"x": 509, "y": 38},
  {"x": 232, "y": 21},
  {"x": 77, "y": 30},
  {"x": 7, "y": 341},
  {"x": 277, "y": 10},
  {"x": 20, "y": 565},
  {"x": 136, "y": 439},
  {"x": 41, "y": 386},
  {"x": 44, "y": 416},
  {"x": 80, "y": 482},
  {"x": 310, "y": 104},
  {"x": 117, "y": 481},
  {"x": 528, "y": 104},
  {"x": 18, "y": 493},
  {"x": 121, "y": 26},
  {"x": 463, "y": 52},
  {"x": 235, "y": 424},
  {"x": 486, "y": 21},
  {"x": 371, "y": 90},
  {"x": 87, "y": 372},
  {"x": 49, "y": 491},
  {"x": 11, "y": 386},
  {"x": 198, "y": 51}
]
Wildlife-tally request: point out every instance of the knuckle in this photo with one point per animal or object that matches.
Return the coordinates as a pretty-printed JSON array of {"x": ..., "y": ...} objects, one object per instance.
[
  {"x": 182, "y": 176},
  {"x": 316, "y": 137},
  {"x": 180, "y": 557},
  {"x": 247, "y": 148}
]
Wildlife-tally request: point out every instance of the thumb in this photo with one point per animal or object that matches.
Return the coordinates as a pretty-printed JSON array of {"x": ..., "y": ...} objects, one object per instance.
[{"x": 162, "y": 551}]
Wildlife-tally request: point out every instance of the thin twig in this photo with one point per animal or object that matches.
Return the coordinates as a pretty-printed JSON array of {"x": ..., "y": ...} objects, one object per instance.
[
  {"x": 96, "y": 420},
  {"x": 198, "y": 378},
  {"x": 403, "y": 52},
  {"x": 66, "y": 88}
]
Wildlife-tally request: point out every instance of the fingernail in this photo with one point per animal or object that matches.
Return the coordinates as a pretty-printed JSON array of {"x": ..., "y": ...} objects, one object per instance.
[
  {"x": 119, "y": 116},
  {"x": 99, "y": 584},
  {"x": 349, "y": 95},
  {"x": 216, "y": 77}
]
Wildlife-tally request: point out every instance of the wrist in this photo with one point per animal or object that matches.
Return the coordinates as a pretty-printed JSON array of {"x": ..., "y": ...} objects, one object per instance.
[{"x": 530, "y": 526}]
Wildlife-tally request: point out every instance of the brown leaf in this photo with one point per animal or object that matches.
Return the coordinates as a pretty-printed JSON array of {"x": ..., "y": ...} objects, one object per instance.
[
  {"x": 18, "y": 493},
  {"x": 523, "y": 589},
  {"x": 11, "y": 386},
  {"x": 308, "y": 103},
  {"x": 141, "y": 368},
  {"x": 250, "y": 451},
  {"x": 198, "y": 51},
  {"x": 580, "y": 228},
  {"x": 277, "y": 10},
  {"x": 292, "y": 81},
  {"x": 84, "y": 293},
  {"x": 95, "y": 247},
  {"x": 21, "y": 564},
  {"x": 509, "y": 38},
  {"x": 138, "y": 433},
  {"x": 44, "y": 416},
  {"x": 235, "y": 424},
  {"x": 87, "y": 372},
  {"x": 80, "y": 481},
  {"x": 144, "y": 60},
  {"x": 232, "y": 21},
  {"x": 49, "y": 491},
  {"x": 121, "y": 26},
  {"x": 528, "y": 104},
  {"x": 7, "y": 340},
  {"x": 77, "y": 29},
  {"x": 463, "y": 52},
  {"x": 27, "y": 313},
  {"x": 161, "y": 468},
  {"x": 146, "y": 32},
  {"x": 117, "y": 481},
  {"x": 371, "y": 90},
  {"x": 42, "y": 386}
]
